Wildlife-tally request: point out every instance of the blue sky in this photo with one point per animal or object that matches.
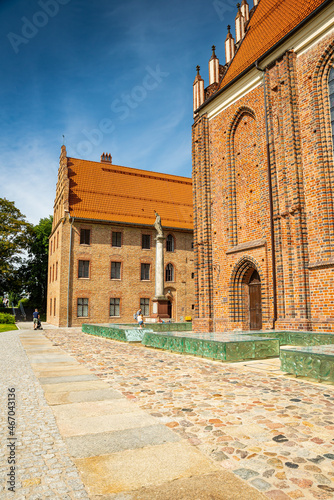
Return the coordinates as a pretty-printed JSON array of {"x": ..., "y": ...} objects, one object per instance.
[{"x": 110, "y": 76}]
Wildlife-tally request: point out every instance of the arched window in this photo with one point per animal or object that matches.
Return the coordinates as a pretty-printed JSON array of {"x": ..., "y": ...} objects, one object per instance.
[
  {"x": 169, "y": 272},
  {"x": 331, "y": 97},
  {"x": 170, "y": 243}
]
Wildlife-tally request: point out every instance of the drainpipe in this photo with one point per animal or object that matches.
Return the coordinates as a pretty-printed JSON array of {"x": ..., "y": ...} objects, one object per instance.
[
  {"x": 271, "y": 204},
  {"x": 69, "y": 273}
]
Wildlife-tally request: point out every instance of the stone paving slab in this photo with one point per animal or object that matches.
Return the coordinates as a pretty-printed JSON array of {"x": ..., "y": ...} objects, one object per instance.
[
  {"x": 90, "y": 385},
  {"x": 62, "y": 372},
  {"x": 133, "y": 469},
  {"x": 111, "y": 442},
  {"x": 37, "y": 367},
  {"x": 87, "y": 409},
  {"x": 79, "y": 426},
  {"x": 62, "y": 398},
  {"x": 66, "y": 379},
  {"x": 216, "y": 486},
  {"x": 51, "y": 359}
]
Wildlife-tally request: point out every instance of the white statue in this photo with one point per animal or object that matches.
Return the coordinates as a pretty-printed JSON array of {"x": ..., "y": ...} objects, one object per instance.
[{"x": 157, "y": 225}]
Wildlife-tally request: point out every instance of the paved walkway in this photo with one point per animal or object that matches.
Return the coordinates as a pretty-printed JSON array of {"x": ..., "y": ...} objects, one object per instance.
[
  {"x": 144, "y": 424},
  {"x": 43, "y": 467}
]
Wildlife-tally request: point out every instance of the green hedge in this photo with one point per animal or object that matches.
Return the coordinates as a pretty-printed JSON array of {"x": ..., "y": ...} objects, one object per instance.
[{"x": 7, "y": 319}]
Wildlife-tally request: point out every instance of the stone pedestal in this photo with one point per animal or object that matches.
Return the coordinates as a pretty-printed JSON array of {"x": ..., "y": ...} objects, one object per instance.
[{"x": 160, "y": 307}]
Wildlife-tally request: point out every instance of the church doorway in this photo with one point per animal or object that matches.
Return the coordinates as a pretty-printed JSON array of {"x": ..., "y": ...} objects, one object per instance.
[{"x": 255, "y": 302}]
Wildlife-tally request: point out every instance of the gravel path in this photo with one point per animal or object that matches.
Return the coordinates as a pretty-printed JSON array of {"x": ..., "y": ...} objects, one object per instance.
[{"x": 43, "y": 468}]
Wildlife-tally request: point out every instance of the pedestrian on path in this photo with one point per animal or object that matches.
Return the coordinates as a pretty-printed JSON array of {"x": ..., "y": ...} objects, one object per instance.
[
  {"x": 36, "y": 318},
  {"x": 140, "y": 319}
]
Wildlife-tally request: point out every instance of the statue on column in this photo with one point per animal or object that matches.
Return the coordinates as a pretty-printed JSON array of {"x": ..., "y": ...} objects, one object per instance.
[{"x": 157, "y": 225}]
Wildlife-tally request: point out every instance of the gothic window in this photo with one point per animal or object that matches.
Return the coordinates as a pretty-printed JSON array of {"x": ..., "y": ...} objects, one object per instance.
[
  {"x": 331, "y": 97},
  {"x": 170, "y": 243},
  {"x": 169, "y": 272}
]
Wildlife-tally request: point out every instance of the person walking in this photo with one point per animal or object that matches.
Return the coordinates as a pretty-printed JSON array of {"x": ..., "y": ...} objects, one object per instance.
[
  {"x": 36, "y": 317},
  {"x": 140, "y": 318}
]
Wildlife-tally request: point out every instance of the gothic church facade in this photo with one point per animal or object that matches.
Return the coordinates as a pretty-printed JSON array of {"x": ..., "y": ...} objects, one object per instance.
[{"x": 263, "y": 172}]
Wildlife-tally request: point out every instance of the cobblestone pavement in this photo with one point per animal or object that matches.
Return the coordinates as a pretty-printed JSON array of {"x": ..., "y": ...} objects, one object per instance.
[
  {"x": 44, "y": 468},
  {"x": 274, "y": 431}
]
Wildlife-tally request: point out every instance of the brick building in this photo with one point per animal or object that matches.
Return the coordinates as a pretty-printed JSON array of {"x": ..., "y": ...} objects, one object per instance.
[
  {"x": 102, "y": 245},
  {"x": 263, "y": 175}
]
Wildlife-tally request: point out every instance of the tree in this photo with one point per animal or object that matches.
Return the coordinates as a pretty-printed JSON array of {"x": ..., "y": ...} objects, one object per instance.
[
  {"x": 15, "y": 233},
  {"x": 34, "y": 272}
]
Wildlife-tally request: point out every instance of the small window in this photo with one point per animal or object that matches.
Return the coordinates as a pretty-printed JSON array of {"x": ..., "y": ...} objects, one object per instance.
[
  {"x": 57, "y": 239},
  {"x": 169, "y": 272},
  {"x": 192, "y": 275},
  {"x": 50, "y": 274},
  {"x": 53, "y": 272},
  {"x": 115, "y": 271},
  {"x": 192, "y": 306},
  {"x": 116, "y": 239},
  {"x": 192, "y": 245},
  {"x": 146, "y": 241},
  {"x": 145, "y": 272},
  {"x": 54, "y": 307},
  {"x": 56, "y": 271},
  {"x": 84, "y": 236},
  {"x": 170, "y": 243},
  {"x": 83, "y": 269},
  {"x": 51, "y": 247},
  {"x": 145, "y": 306},
  {"x": 114, "y": 307},
  {"x": 82, "y": 311},
  {"x": 50, "y": 307}
]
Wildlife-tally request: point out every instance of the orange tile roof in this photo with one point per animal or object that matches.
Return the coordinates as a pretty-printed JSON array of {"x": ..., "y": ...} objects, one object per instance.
[
  {"x": 271, "y": 21},
  {"x": 103, "y": 191}
]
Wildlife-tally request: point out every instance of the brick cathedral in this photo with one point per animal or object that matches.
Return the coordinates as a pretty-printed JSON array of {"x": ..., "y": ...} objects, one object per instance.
[{"x": 263, "y": 172}]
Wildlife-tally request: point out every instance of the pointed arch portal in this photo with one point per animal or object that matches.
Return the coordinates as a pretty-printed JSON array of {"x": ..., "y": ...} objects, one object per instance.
[{"x": 246, "y": 289}]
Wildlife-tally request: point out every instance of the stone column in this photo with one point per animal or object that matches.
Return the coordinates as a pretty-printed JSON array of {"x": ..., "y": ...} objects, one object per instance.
[
  {"x": 159, "y": 267},
  {"x": 160, "y": 302}
]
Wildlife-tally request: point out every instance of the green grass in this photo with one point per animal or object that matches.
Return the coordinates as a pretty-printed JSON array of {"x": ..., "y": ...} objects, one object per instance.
[{"x": 7, "y": 328}]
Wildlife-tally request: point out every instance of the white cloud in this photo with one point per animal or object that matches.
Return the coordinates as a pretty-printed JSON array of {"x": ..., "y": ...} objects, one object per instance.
[{"x": 29, "y": 176}]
